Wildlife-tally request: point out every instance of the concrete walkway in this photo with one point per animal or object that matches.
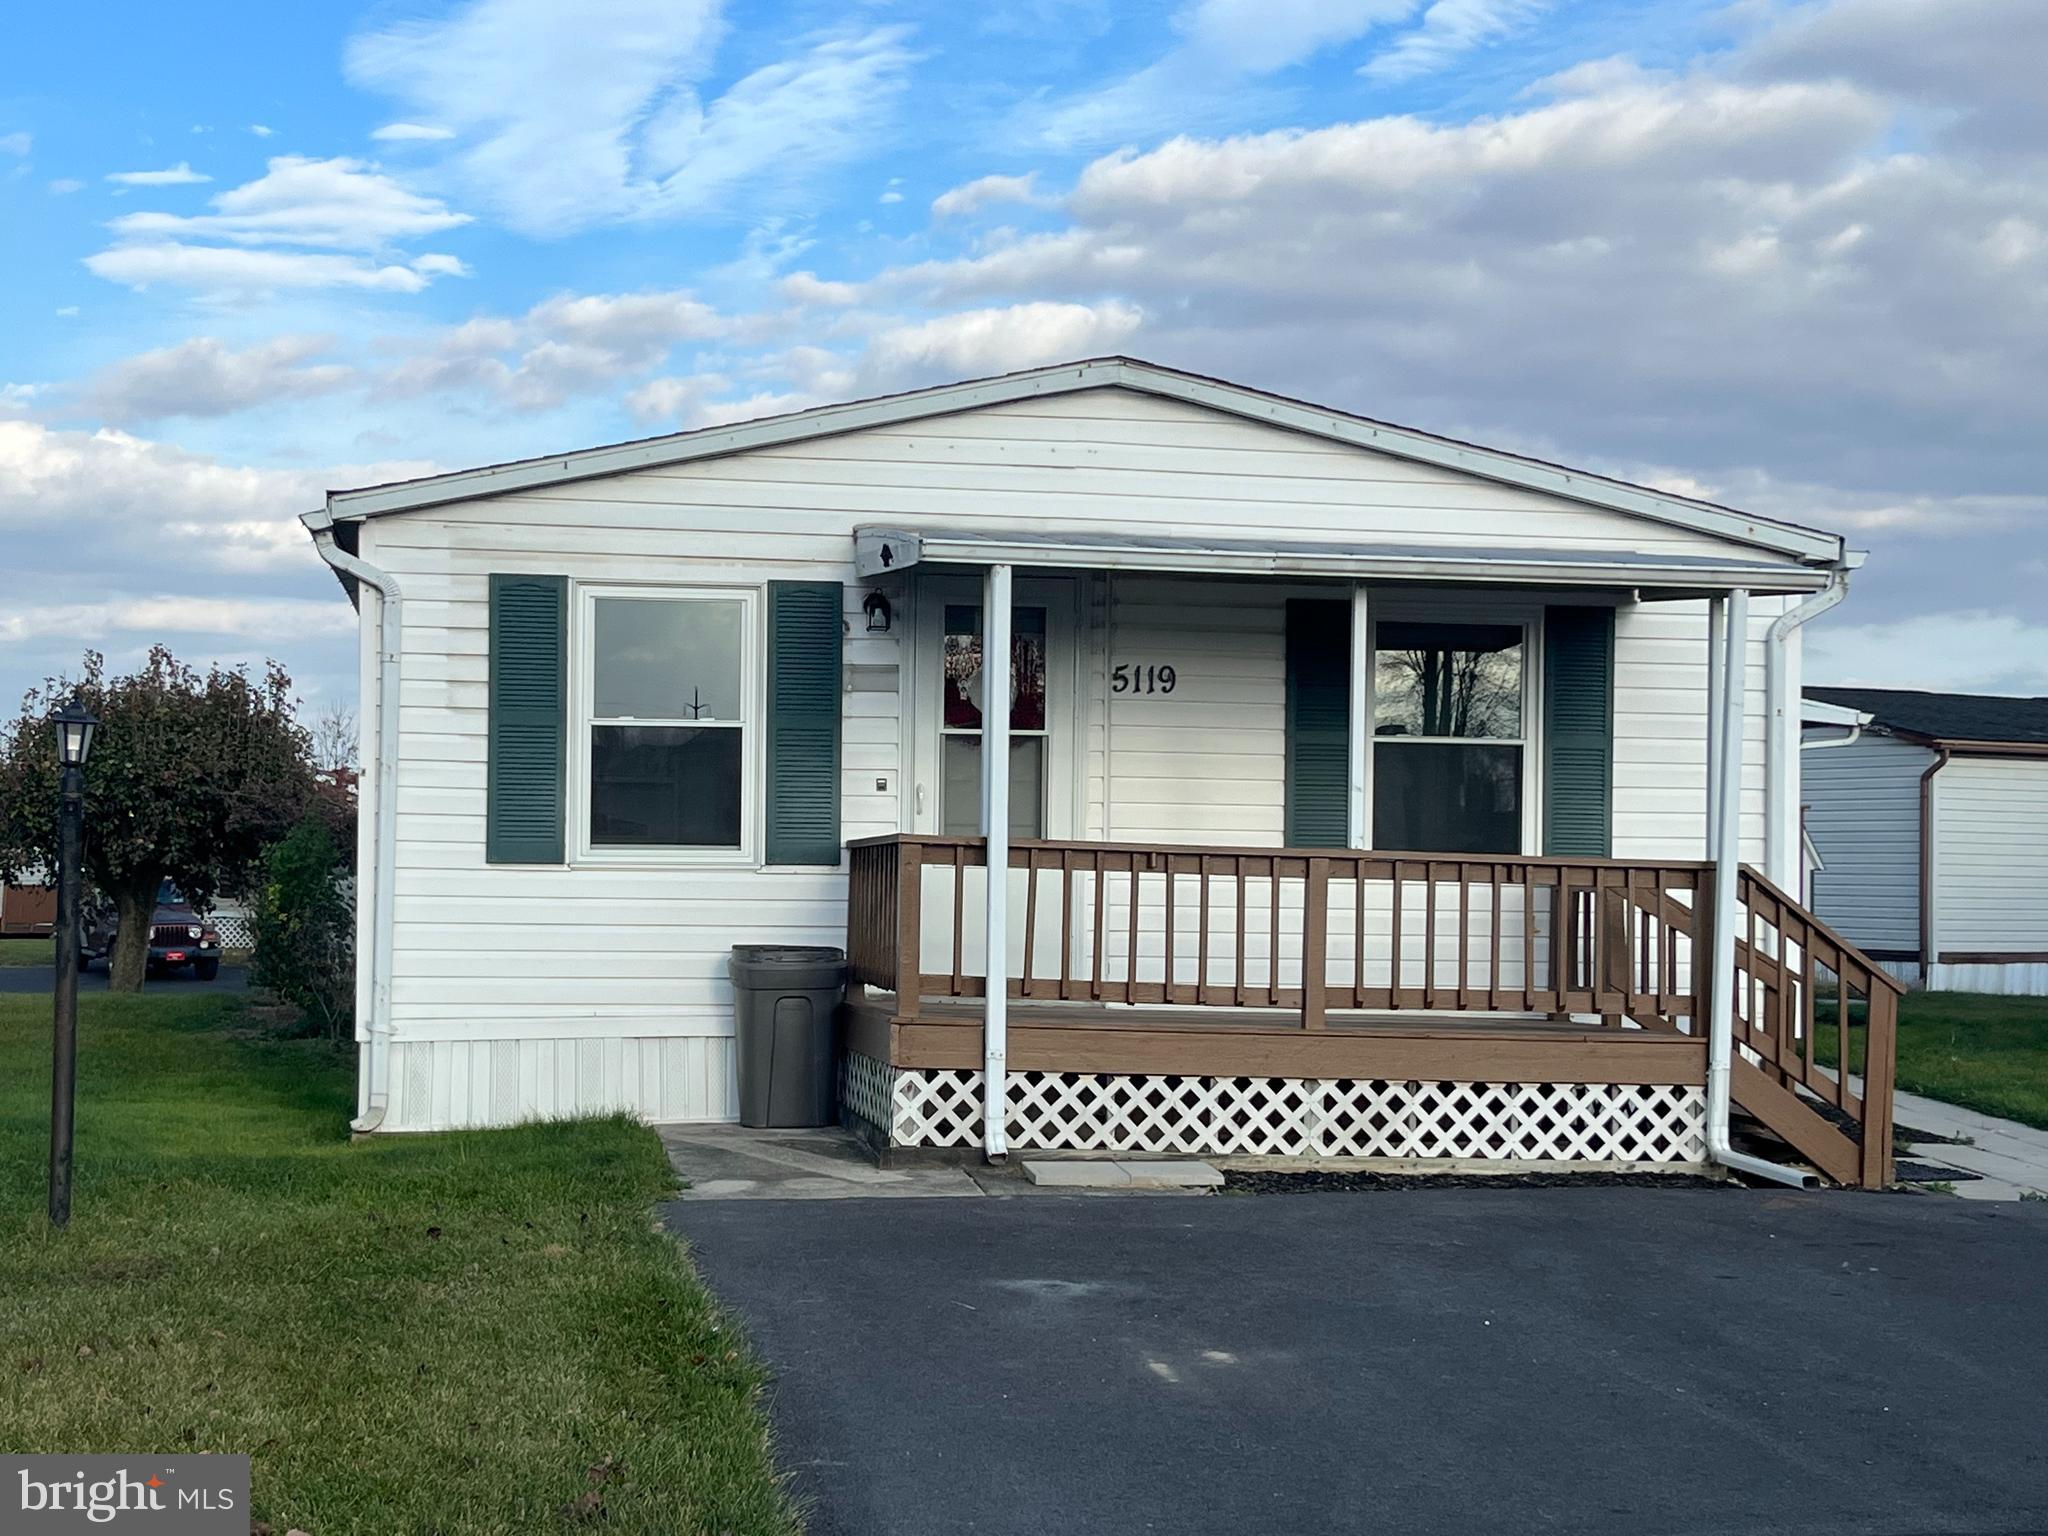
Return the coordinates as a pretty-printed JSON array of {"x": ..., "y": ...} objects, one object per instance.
[
  {"x": 2009, "y": 1159},
  {"x": 731, "y": 1162}
]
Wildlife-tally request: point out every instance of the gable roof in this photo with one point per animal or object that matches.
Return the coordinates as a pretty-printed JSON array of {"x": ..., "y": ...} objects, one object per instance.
[
  {"x": 1806, "y": 545},
  {"x": 1947, "y": 717}
]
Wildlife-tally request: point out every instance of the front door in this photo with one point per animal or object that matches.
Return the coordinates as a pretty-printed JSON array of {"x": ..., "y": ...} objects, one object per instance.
[{"x": 946, "y": 793}]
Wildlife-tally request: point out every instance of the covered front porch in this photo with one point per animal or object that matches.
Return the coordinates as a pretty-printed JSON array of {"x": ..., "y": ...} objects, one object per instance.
[{"x": 1327, "y": 850}]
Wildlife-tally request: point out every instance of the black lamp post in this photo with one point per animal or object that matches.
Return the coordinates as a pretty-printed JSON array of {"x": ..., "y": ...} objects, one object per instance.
[{"x": 75, "y": 724}]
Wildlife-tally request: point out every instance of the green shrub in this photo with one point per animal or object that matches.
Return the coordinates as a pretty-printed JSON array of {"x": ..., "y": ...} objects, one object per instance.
[{"x": 305, "y": 930}]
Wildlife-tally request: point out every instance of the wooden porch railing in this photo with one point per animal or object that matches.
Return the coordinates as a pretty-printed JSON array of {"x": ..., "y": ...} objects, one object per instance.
[
  {"x": 1802, "y": 986},
  {"x": 1301, "y": 929},
  {"x": 1316, "y": 930}
]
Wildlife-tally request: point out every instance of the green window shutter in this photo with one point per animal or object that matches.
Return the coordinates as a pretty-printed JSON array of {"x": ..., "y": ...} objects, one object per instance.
[
  {"x": 1318, "y": 723},
  {"x": 529, "y": 692},
  {"x": 1578, "y": 731},
  {"x": 806, "y": 638}
]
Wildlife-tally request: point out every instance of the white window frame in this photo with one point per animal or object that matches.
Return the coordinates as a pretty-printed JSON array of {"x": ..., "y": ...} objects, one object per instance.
[
  {"x": 752, "y": 725},
  {"x": 1453, "y": 608}
]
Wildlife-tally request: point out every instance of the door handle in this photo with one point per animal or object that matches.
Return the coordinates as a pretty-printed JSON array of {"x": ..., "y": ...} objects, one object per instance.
[{"x": 920, "y": 799}]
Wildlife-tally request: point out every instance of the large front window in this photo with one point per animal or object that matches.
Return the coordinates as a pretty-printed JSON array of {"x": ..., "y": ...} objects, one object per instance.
[
  {"x": 668, "y": 690},
  {"x": 1448, "y": 726}
]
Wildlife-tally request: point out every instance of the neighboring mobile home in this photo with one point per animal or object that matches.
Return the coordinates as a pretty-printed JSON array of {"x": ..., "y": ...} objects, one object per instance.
[
  {"x": 1931, "y": 812},
  {"x": 1356, "y": 799}
]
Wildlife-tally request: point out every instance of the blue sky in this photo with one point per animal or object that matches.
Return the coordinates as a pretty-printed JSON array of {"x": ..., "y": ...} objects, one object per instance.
[{"x": 1790, "y": 255}]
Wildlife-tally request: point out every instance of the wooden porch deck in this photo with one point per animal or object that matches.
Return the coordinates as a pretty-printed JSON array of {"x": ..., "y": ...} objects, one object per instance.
[
  {"x": 1258, "y": 1042},
  {"x": 1565, "y": 998}
]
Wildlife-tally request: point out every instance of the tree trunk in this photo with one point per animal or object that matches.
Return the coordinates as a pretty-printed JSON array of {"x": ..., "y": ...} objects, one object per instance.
[{"x": 134, "y": 906}]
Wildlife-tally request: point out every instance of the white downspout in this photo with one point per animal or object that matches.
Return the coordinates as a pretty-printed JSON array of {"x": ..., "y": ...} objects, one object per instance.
[
  {"x": 995, "y": 828},
  {"x": 1781, "y": 757},
  {"x": 1726, "y": 819},
  {"x": 374, "y": 1034}
]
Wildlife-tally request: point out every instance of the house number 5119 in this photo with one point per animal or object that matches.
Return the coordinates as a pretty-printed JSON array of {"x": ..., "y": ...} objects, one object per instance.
[{"x": 1128, "y": 677}]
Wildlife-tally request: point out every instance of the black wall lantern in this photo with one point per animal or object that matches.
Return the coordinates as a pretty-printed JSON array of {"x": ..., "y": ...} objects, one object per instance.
[{"x": 876, "y": 607}]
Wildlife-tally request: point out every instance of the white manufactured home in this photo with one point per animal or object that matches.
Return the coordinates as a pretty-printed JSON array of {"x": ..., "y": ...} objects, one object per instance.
[
  {"x": 1930, "y": 814},
  {"x": 1361, "y": 792}
]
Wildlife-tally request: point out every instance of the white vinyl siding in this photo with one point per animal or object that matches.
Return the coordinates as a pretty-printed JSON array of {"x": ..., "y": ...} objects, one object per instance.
[
  {"x": 1863, "y": 813},
  {"x": 1660, "y": 731},
  {"x": 1991, "y": 856},
  {"x": 1207, "y": 762},
  {"x": 520, "y": 991}
]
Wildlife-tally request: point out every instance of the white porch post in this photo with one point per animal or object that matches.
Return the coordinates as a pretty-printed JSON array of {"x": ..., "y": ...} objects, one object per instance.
[
  {"x": 995, "y": 827},
  {"x": 1360, "y": 817},
  {"x": 1717, "y": 688}
]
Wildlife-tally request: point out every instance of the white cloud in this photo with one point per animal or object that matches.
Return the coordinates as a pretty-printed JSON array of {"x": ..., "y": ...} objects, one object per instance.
[
  {"x": 15, "y": 398},
  {"x": 975, "y": 195},
  {"x": 122, "y": 491},
  {"x": 232, "y": 270},
  {"x": 16, "y": 143},
  {"x": 203, "y": 377},
  {"x": 1223, "y": 47},
  {"x": 411, "y": 133},
  {"x": 339, "y": 203},
  {"x": 982, "y": 341},
  {"x": 589, "y": 115},
  {"x": 68, "y": 311},
  {"x": 64, "y": 185},
  {"x": 1449, "y": 29},
  {"x": 566, "y": 345},
  {"x": 333, "y": 206},
  {"x": 808, "y": 288},
  {"x": 178, "y": 175},
  {"x": 251, "y": 618},
  {"x": 261, "y": 130},
  {"x": 1966, "y": 652}
]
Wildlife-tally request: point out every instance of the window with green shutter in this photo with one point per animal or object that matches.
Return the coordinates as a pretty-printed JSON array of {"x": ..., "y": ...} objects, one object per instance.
[
  {"x": 1578, "y": 731},
  {"x": 806, "y": 641},
  {"x": 1318, "y": 723},
  {"x": 1449, "y": 735},
  {"x": 528, "y": 730}
]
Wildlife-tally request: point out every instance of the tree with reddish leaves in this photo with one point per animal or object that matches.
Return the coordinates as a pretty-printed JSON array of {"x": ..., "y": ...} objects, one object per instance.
[{"x": 192, "y": 776}]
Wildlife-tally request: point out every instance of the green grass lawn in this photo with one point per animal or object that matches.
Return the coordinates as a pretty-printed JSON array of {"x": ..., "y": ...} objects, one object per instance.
[
  {"x": 26, "y": 951},
  {"x": 477, "y": 1332},
  {"x": 1983, "y": 1052}
]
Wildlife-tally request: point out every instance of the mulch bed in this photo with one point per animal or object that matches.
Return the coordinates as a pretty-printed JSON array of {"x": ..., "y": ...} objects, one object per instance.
[
  {"x": 1931, "y": 1173},
  {"x": 1271, "y": 1182}
]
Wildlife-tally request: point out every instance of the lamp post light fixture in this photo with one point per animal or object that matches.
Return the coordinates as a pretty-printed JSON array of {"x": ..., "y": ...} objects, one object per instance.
[{"x": 75, "y": 725}]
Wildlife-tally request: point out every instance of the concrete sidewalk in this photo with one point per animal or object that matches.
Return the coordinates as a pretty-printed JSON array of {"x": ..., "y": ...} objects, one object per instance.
[{"x": 2009, "y": 1159}]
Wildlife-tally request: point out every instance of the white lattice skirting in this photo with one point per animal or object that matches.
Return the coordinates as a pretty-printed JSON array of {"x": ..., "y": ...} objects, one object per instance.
[{"x": 1287, "y": 1117}]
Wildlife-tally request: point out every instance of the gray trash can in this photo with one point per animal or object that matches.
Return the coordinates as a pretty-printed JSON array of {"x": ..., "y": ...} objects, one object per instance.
[{"x": 786, "y": 1013}]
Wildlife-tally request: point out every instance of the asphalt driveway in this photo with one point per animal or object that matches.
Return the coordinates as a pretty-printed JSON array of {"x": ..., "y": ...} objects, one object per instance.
[
  {"x": 40, "y": 978},
  {"x": 1592, "y": 1360}
]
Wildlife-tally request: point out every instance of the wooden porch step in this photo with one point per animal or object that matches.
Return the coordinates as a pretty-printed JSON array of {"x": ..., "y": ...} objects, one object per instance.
[{"x": 1781, "y": 1112}]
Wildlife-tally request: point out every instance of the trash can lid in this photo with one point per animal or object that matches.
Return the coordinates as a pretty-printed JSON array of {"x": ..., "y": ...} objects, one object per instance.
[{"x": 786, "y": 954}]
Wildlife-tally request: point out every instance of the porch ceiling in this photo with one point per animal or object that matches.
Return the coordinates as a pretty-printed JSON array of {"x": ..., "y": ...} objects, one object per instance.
[{"x": 881, "y": 550}]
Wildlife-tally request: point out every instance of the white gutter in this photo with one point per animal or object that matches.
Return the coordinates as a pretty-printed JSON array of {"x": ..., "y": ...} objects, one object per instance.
[
  {"x": 1781, "y": 759},
  {"x": 374, "y": 1033},
  {"x": 1813, "y": 712},
  {"x": 1727, "y": 856},
  {"x": 995, "y": 827}
]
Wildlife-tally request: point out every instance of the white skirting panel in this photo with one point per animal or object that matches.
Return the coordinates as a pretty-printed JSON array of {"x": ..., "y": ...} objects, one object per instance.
[
  {"x": 1287, "y": 1117},
  {"x": 2017, "y": 979},
  {"x": 439, "y": 1085}
]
